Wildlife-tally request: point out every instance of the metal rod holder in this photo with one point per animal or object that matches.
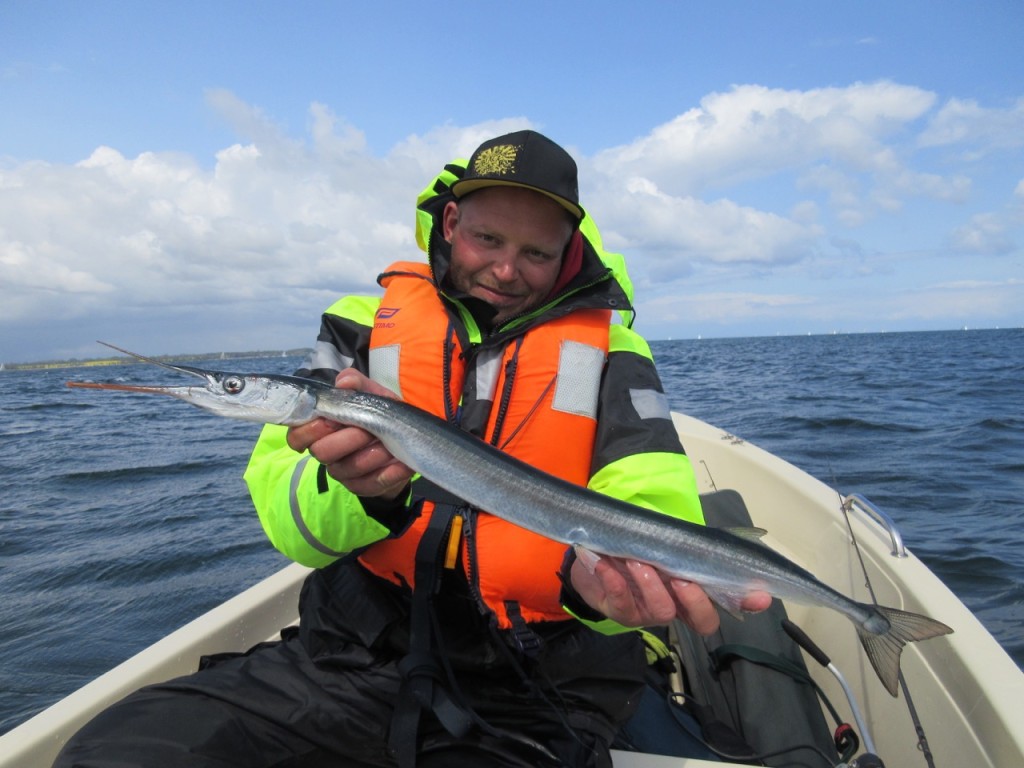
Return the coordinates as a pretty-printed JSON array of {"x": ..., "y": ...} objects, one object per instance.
[{"x": 856, "y": 501}]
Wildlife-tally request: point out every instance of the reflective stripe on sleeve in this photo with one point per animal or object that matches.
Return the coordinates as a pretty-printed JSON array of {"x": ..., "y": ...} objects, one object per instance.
[
  {"x": 650, "y": 404},
  {"x": 327, "y": 356},
  {"x": 300, "y": 524}
]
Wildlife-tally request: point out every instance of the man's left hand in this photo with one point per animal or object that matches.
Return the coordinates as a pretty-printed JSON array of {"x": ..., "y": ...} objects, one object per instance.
[{"x": 638, "y": 595}]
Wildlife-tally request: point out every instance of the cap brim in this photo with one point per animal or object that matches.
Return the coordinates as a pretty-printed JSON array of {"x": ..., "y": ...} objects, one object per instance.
[{"x": 464, "y": 187}]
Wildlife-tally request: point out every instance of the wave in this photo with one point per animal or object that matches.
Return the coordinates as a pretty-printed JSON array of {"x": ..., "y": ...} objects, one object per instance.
[
  {"x": 1011, "y": 423},
  {"x": 824, "y": 423},
  {"x": 19, "y": 431},
  {"x": 186, "y": 468},
  {"x": 56, "y": 405}
]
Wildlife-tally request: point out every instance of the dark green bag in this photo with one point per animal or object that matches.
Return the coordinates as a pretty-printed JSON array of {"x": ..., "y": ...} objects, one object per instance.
[{"x": 745, "y": 687}]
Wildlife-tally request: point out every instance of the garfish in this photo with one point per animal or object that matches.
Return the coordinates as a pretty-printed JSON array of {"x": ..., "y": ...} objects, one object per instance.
[{"x": 727, "y": 564}]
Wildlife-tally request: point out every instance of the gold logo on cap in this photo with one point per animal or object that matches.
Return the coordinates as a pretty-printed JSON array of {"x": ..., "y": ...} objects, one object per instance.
[{"x": 497, "y": 161}]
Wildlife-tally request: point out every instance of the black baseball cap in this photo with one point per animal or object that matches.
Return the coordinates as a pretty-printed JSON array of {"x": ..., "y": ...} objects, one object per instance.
[{"x": 524, "y": 159}]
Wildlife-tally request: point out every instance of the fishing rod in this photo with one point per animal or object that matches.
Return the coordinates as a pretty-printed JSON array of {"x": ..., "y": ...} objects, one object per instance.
[
  {"x": 869, "y": 759},
  {"x": 846, "y": 504}
]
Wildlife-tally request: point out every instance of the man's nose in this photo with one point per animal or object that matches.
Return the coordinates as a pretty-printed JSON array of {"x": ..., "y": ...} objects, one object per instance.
[{"x": 505, "y": 267}]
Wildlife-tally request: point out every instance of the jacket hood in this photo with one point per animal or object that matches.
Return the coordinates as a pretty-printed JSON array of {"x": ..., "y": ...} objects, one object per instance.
[{"x": 602, "y": 281}]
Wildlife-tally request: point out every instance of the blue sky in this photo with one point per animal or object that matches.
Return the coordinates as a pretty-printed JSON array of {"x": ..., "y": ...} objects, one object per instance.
[{"x": 195, "y": 176}]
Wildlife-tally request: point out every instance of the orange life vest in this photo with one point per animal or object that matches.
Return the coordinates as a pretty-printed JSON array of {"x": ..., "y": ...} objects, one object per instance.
[{"x": 542, "y": 386}]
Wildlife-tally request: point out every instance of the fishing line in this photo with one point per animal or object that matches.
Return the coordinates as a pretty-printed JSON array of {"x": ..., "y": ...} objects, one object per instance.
[
  {"x": 711, "y": 478},
  {"x": 536, "y": 690},
  {"x": 922, "y": 738}
]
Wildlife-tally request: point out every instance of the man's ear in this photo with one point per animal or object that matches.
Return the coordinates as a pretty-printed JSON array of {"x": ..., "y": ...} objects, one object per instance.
[{"x": 449, "y": 218}]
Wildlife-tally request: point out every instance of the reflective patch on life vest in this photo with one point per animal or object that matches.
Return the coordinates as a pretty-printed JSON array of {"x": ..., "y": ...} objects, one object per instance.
[
  {"x": 579, "y": 379},
  {"x": 384, "y": 364},
  {"x": 488, "y": 366}
]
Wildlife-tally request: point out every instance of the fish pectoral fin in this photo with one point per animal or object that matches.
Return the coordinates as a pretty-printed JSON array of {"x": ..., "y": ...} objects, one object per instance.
[
  {"x": 728, "y": 600},
  {"x": 589, "y": 558}
]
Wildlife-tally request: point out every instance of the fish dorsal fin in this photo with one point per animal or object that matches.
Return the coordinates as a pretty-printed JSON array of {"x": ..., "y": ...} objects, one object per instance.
[{"x": 749, "y": 533}]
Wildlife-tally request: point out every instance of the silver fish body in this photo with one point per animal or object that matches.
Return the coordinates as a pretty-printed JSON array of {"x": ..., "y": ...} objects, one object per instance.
[{"x": 726, "y": 565}]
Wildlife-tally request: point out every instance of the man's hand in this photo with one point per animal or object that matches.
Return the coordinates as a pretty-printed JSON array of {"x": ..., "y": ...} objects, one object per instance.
[
  {"x": 353, "y": 456},
  {"x": 637, "y": 595}
]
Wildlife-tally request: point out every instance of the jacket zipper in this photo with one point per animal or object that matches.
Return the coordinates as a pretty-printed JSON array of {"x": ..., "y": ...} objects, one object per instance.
[{"x": 469, "y": 540}]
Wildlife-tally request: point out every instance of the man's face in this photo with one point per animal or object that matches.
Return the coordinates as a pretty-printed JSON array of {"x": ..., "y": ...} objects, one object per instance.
[{"x": 507, "y": 245}]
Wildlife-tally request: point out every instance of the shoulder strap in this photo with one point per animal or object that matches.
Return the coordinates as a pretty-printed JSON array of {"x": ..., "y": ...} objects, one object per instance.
[{"x": 423, "y": 686}]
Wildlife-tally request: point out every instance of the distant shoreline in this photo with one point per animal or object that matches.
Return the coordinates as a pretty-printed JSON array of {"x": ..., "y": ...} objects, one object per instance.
[{"x": 104, "y": 361}]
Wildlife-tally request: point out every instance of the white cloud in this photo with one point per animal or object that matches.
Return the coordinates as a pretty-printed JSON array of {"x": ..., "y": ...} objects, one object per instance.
[
  {"x": 985, "y": 233},
  {"x": 752, "y": 131},
  {"x": 768, "y": 310},
  {"x": 664, "y": 234},
  {"x": 122, "y": 232},
  {"x": 979, "y": 301},
  {"x": 832, "y": 146},
  {"x": 754, "y": 181},
  {"x": 992, "y": 233},
  {"x": 721, "y": 307},
  {"x": 965, "y": 122},
  {"x": 835, "y": 158},
  {"x": 278, "y": 225}
]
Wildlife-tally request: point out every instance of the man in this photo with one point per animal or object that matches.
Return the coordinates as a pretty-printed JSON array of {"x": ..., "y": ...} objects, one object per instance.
[{"x": 431, "y": 632}]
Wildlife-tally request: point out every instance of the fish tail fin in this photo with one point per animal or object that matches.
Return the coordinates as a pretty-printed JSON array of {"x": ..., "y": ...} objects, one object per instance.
[{"x": 884, "y": 647}]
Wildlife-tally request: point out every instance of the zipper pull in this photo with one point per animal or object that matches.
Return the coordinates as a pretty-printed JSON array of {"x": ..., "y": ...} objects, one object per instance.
[{"x": 451, "y": 555}]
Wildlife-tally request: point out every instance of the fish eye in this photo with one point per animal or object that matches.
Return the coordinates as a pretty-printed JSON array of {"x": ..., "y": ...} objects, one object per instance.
[{"x": 233, "y": 384}]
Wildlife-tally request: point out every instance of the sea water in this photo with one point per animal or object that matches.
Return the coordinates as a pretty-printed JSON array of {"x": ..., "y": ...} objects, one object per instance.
[{"x": 122, "y": 517}]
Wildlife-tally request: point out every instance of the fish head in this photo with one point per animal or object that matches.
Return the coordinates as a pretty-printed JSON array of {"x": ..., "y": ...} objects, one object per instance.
[{"x": 263, "y": 398}]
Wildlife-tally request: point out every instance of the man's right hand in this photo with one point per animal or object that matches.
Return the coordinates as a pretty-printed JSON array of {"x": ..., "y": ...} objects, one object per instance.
[{"x": 353, "y": 456}]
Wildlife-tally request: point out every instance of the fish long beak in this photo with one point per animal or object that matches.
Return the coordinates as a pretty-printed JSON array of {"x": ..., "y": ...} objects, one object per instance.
[
  {"x": 151, "y": 390},
  {"x": 261, "y": 398},
  {"x": 175, "y": 391}
]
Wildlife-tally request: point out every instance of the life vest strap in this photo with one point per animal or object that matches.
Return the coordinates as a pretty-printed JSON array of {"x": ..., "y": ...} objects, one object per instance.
[
  {"x": 525, "y": 640},
  {"x": 423, "y": 680},
  {"x": 428, "y": 684}
]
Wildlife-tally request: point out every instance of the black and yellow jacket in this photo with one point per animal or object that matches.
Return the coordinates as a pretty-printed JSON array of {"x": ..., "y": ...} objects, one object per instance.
[{"x": 568, "y": 387}]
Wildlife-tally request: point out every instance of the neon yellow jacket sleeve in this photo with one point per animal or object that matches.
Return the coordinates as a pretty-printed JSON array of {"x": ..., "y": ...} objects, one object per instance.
[
  {"x": 638, "y": 457},
  {"x": 307, "y": 516}
]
